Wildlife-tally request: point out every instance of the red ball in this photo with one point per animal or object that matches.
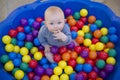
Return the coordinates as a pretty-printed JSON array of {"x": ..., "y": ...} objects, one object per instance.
[
  {"x": 33, "y": 64},
  {"x": 84, "y": 19},
  {"x": 12, "y": 33},
  {"x": 92, "y": 75},
  {"x": 84, "y": 74},
  {"x": 62, "y": 50},
  {"x": 89, "y": 61},
  {"x": 31, "y": 75},
  {"x": 57, "y": 57},
  {"x": 73, "y": 28},
  {"x": 39, "y": 19},
  {"x": 103, "y": 55},
  {"x": 86, "y": 49},
  {"x": 95, "y": 40},
  {"x": 78, "y": 49},
  {"x": 20, "y": 29},
  {"x": 72, "y": 62},
  {"x": 79, "y": 24}
]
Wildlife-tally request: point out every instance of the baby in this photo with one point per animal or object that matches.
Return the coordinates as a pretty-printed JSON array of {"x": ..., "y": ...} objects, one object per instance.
[{"x": 55, "y": 32}]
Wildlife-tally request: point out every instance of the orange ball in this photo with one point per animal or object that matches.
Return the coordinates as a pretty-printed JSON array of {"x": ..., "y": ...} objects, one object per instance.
[
  {"x": 72, "y": 22},
  {"x": 70, "y": 17},
  {"x": 45, "y": 77},
  {"x": 92, "y": 55},
  {"x": 97, "y": 34},
  {"x": 110, "y": 45},
  {"x": 99, "y": 79},
  {"x": 79, "y": 39},
  {"x": 66, "y": 56},
  {"x": 73, "y": 55},
  {"x": 91, "y": 19}
]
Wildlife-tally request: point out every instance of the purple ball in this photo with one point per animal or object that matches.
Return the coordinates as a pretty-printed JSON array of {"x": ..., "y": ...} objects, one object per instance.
[
  {"x": 49, "y": 71},
  {"x": 54, "y": 49},
  {"x": 68, "y": 12},
  {"x": 108, "y": 68},
  {"x": 96, "y": 69},
  {"x": 29, "y": 37},
  {"x": 103, "y": 74},
  {"x": 36, "y": 25},
  {"x": 41, "y": 48},
  {"x": 84, "y": 54},
  {"x": 24, "y": 22},
  {"x": 39, "y": 70},
  {"x": 79, "y": 77},
  {"x": 35, "y": 33},
  {"x": 36, "y": 77},
  {"x": 71, "y": 46}
]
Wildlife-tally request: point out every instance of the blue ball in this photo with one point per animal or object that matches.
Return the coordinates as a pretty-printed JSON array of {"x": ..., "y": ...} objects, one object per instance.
[
  {"x": 53, "y": 65},
  {"x": 113, "y": 38},
  {"x": 112, "y": 30},
  {"x": 42, "y": 23},
  {"x": 72, "y": 76},
  {"x": 29, "y": 69},
  {"x": 21, "y": 36},
  {"x": 25, "y": 77},
  {"x": 12, "y": 55},
  {"x": 19, "y": 56},
  {"x": 74, "y": 34},
  {"x": 79, "y": 67},
  {"x": 30, "y": 21},
  {"x": 20, "y": 43},
  {"x": 36, "y": 42},
  {"x": 43, "y": 61},
  {"x": 27, "y": 29},
  {"x": 45, "y": 66},
  {"x": 87, "y": 68},
  {"x": 93, "y": 27},
  {"x": 17, "y": 62}
]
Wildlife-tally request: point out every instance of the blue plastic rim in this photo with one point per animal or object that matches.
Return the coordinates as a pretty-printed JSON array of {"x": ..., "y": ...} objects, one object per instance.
[{"x": 37, "y": 9}]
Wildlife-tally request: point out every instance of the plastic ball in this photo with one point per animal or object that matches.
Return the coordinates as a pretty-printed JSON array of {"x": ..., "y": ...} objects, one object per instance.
[
  {"x": 28, "y": 45},
  {"x": 36, "y": 77},
  {"x": 38, "y": 55},
  {"x": 112, "y": 30},
  {"x": 100, "y": 64},
  {"x": 113, "y": 38},
  {"x": 14, "y": 41},
  {"x": 66, "y": 56},
  {"x": 104, "y": 31},
  {"x": 12, "y": 55},
  {"x": 62, "y": 49},
  {"x": 88, "y": 36},
  {"x": 79, "y": 67},
  {"x": 104, "y": 39},
  {"x": 102, "y": 74},
  {"x": 19, "y": 74},
  {"x": 54, "y": 49},
  {"x": 93, "y": 27},
  {"x": 36, "y": 25},
  {"x": 79, "y": 77},
  {"x": 73, "y": 28},
  {"x": 53, "y": 65},
  {"x": 39, "y": 70},
  {"x": 39, "y": 19},
  {"x": 20, "y": 29},
  {"x": 57, "y": 57},
  {"x": 74, "y": 34},
  {"x": 71, "y": 45},
  {"x": 27, "y": 29},
  {"x": 29, "y": 37},
  {"x": 31, "y": 75},
  {"x": 99, "y": 46},
  {"x": 91, "y": 19},
  {"x": 4, "y": 58},
  {"x": 85, "y": 29},
  {"x": 87, "y": 68},
  {"x": 92, "y": 55},
  {"x": 57, "y": 70},
  {"x": 17, "y": 62},
  {"x": 33, "y": 50},
  {"x": 21, "y": 36},
  {"x": 112, "y": 52},
  {"x": 95, "y": 40},
  {"x": 12, "y": 33},
  {"x": 26, "y": 58},
  {"x": 83, "y": 12},
  {"x": 76, "y": 15},
  {"x": 92, "y": 75},
  {"x": 49, "y": 71},
  {"x": 98, "y": 23},
  {"x": 16, "y": 49},
  {"x": 9, "y": 66},
  {"x": 111, "y": 60},
  {"x": 33, "y": 64},
  {"x": 30, "y": 21},
  {"x": 110, "y": 45},
  {"x": 79, "y": 24},
  {"x": 80, "y": 60},
  {"x": 92, "y": 47},
  {"x": 43, "y": 61},
  {"x": 45, "y": 66},
  {"x": 62, "y": 64},
  {"x": 80, "y": 33},
  {"x": 35, "y": 33},
  {"x": 20, "y": 43},
  {"x": 108, "y": 68},
  {"x": 84, "y": 53},
  {"x": 103, "y": 55},
  {"x": 83, "y": 19},
  {"x": 72, "y": 63},
  {"x": 24, "y": 51},
  {"x": 79, "y": 39},
  {"x": 24, "y": 22},
  {"x": 77, "y": 49},
  {"x": 14, "y": 70},
  {"x": 73, "y": 55},
  {"x": 70, "y": 17},
  {"x": 72, "y": 22},
  {"x": 45, "y": 77},
  {"x": 90, "y": 61},
  {"x": 36, "y": 42},
  {"x": 68, "y": 70},
  {"x": 24, "y": 66},
  {"x": 54, "y": 77},
  {"x": 64, "y": 77},
  {"x": 87, "y": 42},
  {"x": 41, "y": 48},
  {"x": 97, "y": 34},
  {"x": 72, "y": 76},
  {"x": 9, "y": 48},
  {"x": 68, "y": 12}
]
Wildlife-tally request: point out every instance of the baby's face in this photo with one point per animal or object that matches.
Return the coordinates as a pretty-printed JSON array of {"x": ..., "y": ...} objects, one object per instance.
[{"x": 55, "y": 22}]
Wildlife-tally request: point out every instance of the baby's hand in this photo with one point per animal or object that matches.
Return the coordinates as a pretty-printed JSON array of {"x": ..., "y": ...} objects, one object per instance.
[{"x": 47, "y": 49}]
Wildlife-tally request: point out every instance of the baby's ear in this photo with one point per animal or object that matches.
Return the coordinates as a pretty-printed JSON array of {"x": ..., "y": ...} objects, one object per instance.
[{"x": 65, "y": 20}]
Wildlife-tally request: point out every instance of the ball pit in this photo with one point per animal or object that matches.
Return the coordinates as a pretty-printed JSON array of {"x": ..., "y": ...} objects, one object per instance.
[{"x": 95, "y": 56}]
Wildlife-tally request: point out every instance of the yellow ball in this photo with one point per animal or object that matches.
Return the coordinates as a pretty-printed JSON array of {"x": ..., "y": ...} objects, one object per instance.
[
  {"x": 9, "y": 48},
  {"x": 87, "y": 42},
  {"x": 62, "y": 64},
  {"x": 83, "y": 12},
  {"x": 92, "y": 47},
  {"x": 16, "y": 49},
  {"x": 80, "y": 33},
  {"x": 9, "y": 66},
  {"x": 99, "y": 46},
  {"x": 85, "y": 29},
  {"x": 57, "y": 70},
  {"x": 106, "y": 50},
  {"x": 38, "y": 55},
  {"x": 24, "y": 51},
  {"x": 19, "y": 74},
  {"x": 26, "y": 58},
  {"x": 64, "y": 77},
  {"x": 104, "y": 31},
  {"x": 34, "y": 50},
  {"x": 68, "y": 70},
  {"x": 6, "y": 39},
  {"x": 111, "y": 60},
  {"x": 54, "y": 77},
  {"x": 80, "y": 60}
]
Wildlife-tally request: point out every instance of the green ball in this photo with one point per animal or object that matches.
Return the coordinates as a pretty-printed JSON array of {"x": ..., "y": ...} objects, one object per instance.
[
  {"x": 14, "y": 41},
  {"x": 104, "y": 39},
  {"x": 24, "y": 66},
  {"x": 100, "y": 64},
  {"x": 14, "y": 70},
  {"x": 76, "y": 15},
  {"x": 98, "y": 23},
  {"x": 88, "y": 35},
  {"x": 28, "y": 45},
  {"x": 112, "y": 52},
  {"x": 4, "y": 58}
]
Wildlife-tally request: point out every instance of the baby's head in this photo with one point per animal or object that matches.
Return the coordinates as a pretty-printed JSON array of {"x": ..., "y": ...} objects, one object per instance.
[{"x": 54, "y": 18}]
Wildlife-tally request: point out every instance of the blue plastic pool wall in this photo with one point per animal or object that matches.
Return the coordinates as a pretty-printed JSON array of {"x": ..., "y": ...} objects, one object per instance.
[{"x": 37, "y": 10}]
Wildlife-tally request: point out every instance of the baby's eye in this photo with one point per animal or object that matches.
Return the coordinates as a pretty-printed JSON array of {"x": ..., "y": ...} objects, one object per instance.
[
  {"x": 51, "y": 23},
  {"x": 59, "y": 22}
]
